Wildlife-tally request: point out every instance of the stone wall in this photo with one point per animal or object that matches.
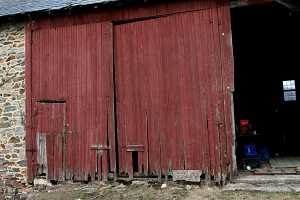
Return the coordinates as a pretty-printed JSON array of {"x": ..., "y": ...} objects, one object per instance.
[{"x": 12, "y": 103}]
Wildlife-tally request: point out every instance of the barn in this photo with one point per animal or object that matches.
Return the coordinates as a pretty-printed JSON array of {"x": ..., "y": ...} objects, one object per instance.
[{"x": 136, "y": 89}]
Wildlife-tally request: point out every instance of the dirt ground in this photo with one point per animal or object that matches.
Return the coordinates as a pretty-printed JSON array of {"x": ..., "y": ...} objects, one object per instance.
[{"x": 141, "y": 191}]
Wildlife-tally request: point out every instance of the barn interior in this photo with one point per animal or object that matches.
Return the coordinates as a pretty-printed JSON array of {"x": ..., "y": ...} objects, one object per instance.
[{"x": 266, "y": 41}]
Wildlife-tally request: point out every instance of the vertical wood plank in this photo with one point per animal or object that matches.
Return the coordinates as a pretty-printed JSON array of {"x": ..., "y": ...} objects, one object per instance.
[{"x": 28, "y": 109}]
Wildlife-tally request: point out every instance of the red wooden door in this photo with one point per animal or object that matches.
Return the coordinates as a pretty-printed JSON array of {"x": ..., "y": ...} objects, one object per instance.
[
  {"x": 74, "y": 64},
  {"x": 169, "y": 94},
  {"x": 50, "y": 118}
]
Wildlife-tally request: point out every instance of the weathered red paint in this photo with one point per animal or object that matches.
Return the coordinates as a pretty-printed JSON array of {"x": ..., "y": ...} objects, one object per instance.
[
  {"x": 74, "y": 64},
  {"x": 173, "y": 77},
  {"x": 50, "y": 123},
  {"x": 128, "y": 13},
  {"x": 170, "y": 93}
]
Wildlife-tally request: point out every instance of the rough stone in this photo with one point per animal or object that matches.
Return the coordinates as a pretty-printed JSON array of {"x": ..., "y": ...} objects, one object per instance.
[
  {"x": 4, "y": 118},
  {"x": 188, "y": 187},
  {"x": 164, "y": 186},
  {"x": 10, "y": 58},
  {"x": 20, "y": 131},
  {"x": 7, "y": 114},
  {"x": 14, "y": 140},
  {"x": 15, "y": 169},
  {"x": 139, "y": 183},
  {"x": 22, "y": 163},
  {"x": 42, "y": 182},
  {"x": 6, "y": 43},
  {"x": 5, "y": 124},
  {"x": 10, "y": 108},
  {"x": 7, "y": 156},
  {"x": 187, "y": 175},
  {"x": 12, "y": 103},
  {"x": 2, "y": 161},
  {"x": 11, "y": 38}
]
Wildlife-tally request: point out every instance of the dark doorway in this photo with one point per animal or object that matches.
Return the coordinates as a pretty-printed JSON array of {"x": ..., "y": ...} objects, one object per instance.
[{"x": 267, "y": 110}]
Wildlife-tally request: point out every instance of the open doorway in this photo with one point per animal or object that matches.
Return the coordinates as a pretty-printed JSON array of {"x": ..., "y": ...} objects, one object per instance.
[{"x": 266, "y": 41}]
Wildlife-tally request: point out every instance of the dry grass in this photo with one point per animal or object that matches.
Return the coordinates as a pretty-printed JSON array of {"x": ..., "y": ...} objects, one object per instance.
[{"x": 149, "y": 192}]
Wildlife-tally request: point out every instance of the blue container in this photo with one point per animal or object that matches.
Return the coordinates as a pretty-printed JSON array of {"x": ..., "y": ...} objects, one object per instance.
[{"x": 250, "y": 150}]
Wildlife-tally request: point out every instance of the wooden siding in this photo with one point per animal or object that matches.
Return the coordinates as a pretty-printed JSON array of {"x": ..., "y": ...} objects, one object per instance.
[
  {"x": 129, "y": 12},
  {"x": 173, "y": 98},
  {"x": 74, "y": 64},
  {"x": 50, "y": 130},
  {"x": 170, "y": 78}
]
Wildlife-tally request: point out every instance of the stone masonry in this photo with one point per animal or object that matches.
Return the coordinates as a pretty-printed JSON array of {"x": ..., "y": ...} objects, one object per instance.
[{"x": 12, "y": 104}]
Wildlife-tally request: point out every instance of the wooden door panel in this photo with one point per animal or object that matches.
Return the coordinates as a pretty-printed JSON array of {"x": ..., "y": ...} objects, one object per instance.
[
  {"x": 168, "y": 86},
  {"x": 51, "y": 139},
  {"x": 74, "y": 64}
]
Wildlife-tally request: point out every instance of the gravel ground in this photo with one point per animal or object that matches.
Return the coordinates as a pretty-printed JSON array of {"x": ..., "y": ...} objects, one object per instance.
[{"x": 139, "y": 191}]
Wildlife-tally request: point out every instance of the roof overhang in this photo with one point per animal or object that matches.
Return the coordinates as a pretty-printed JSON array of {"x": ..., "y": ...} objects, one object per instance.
[
  {"x": 17, "y": 7},
  {"x": 293, "y": 5}
]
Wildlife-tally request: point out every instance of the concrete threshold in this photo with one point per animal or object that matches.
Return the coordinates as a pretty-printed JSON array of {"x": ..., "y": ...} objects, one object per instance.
[
  {"x": 260, "y": 179},
  {"x": 265, "y": 183}
]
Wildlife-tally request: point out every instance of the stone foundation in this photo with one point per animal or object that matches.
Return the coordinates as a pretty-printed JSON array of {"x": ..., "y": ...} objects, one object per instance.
[{"x": 12, "y": 104}]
